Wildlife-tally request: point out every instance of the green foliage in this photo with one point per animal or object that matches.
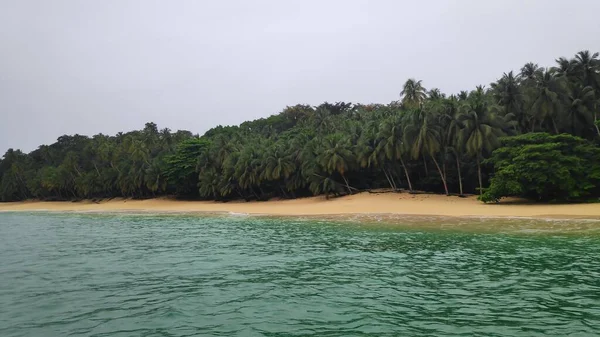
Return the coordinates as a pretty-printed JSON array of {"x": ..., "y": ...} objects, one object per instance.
[
  {"x": 545, "y": 167},
  {"x": 181, "y": 168},
  {"x": 425, "y": 141}
]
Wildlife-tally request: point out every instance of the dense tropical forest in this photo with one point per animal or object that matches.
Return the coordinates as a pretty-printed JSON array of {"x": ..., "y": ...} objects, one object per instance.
[{"x": 533, "y": 133}]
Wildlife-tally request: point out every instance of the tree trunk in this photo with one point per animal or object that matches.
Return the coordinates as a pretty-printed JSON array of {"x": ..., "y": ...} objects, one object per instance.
[
  {"x": 393, "y": 181},
  {"x": 347, "y": 185},
  {"x": 479, "y": 175},
  {"x": 460, "y": 186},
  {"x": 77, "y": 170},
  {"x": 388, "y": 179},
  {"x": 444, "y": 167},
  {"x": 554, "y": 125},
  {"x": 283, "y": 191},
  {"x": 441, "y": 174},
  {"x": 116, "y": 168},
  {"x": 596, "y": 123},
  {"x": 425, "y": 164},
  {"x": 407, "y": 176},
  {"x": 97, "y": 171}
]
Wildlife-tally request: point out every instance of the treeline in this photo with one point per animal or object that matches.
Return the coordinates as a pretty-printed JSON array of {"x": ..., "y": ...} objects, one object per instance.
[{"x": 425, "y": 141}]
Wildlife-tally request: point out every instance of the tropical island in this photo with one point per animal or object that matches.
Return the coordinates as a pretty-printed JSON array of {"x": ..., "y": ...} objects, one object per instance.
[{"x": 532, "y": 134}]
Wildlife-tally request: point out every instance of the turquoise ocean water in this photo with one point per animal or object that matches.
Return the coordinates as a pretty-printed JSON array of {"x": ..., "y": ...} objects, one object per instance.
[{"x": 222, "y": 275}]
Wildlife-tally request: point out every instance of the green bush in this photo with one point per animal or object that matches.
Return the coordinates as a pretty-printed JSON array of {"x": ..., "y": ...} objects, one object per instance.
[{"x": 543, "y": 167}]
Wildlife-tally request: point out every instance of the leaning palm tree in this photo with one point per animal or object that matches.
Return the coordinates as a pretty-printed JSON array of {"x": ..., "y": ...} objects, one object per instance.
[
  {"x": 392, "y": 144},
  {"x": 424, "y": 135},
  {"x": 481, "y": 129},
  {"x": 413, "y": 94},
  {"x": 449, "y": 115}
]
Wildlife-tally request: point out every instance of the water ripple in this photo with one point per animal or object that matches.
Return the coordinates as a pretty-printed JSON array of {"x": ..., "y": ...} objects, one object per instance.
[{"x": 230, "y": 275}]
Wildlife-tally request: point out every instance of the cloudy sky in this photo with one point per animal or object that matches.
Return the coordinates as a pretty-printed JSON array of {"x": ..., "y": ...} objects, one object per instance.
[{"x": 70, "y": 66}]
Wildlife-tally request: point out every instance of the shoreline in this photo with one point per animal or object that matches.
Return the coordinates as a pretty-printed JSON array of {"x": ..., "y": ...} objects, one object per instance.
[{"x": 361, "y": 204}]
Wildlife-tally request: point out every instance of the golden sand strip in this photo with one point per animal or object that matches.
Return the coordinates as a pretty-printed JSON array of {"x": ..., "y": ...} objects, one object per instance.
[{"x": 363, "y": 203}]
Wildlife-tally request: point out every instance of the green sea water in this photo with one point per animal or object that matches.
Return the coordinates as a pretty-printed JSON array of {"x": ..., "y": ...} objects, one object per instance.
[{"x": 223, "y": 275}]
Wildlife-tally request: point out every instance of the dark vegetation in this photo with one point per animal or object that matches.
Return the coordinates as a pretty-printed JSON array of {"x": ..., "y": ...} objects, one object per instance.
[{"x": 534, "y": 133}]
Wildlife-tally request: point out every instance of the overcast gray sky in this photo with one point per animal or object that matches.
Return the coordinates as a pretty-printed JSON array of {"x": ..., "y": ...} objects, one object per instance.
[{"x": 106, "y": 66}]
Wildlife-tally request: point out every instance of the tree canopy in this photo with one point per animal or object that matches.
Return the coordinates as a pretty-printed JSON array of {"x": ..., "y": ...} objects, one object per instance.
[{"x": 427, "y": 141}]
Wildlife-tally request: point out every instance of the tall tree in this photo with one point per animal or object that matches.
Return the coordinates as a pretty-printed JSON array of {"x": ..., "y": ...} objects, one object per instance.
[
  {"x": 482, "y": 129},
  {"x": 413, "y": 94}
]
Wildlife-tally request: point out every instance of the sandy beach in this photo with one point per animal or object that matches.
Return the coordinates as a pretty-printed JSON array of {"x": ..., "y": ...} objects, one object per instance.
[{"x": 363, "y": 203}]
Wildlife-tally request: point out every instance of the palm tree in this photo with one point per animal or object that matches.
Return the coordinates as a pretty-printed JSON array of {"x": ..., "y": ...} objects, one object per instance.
[
  {"x": 435, "y": 94},
  {"x": 248, "y": 169},
  {"x": 278, "y": 166},
  {"x": 546, "y": 99},
  {"x": 481, "y": 129},
  {"x": 508, "y": 95},
  {"x": 587, "y": 67},
  {"x": 449, "y": 115},
  {"x": 413, "y": 94},
  {"x": 424, "y": 134},
  {"x": 580, "y": 109},
  {"x": 392, "y": 145},
  {"x": 337, "y": 156},
  {"x": 530, "y": 71},
  {"x": 565, "y": 68}
]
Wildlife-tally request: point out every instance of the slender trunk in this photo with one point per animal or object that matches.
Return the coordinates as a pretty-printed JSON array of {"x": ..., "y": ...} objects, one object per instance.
[
  {"x": 388, "y": 179},
  {"x": 460, "y": 186},
  {"x": 444, "y": 167},
  {"x": 425, "y": 164},
  {"x": 23, "y": 194},
  {"x": 406, "y": 173},
  {"x": 77, "y": 170},
  {"x": 596, "y": 123},
  {"x": 116, "y": 168},
  {"x": 283, "y": 191},
  {"x": 441, "y": 174},
  {"x": 554, "y": 125},
  {"x": 97, "y": 171},
  {"x": 393, "y": 181},
  {"x": 239, "y": 193},
  {"x": 347, "y": 185},
  {"x": 254, "y": 192},
  {"x": 479, "y": 175}
]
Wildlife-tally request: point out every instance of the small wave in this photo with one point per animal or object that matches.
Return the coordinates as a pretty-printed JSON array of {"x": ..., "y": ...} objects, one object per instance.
[{"x": 241, "y": 214}]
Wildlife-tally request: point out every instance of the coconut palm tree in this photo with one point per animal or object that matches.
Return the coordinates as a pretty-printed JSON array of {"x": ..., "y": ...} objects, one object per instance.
[
  {"x": 530, "y": 71},
  {"x": 587, "y": 67},
  {"x": 391, "y": 143},
  {"x": 423, "y": 133},
  {"x": 337, "y": 156},
  {"x": 508, "y": 96},
  {"x": 545, "y": 99},
  {"x": 580, "y": 109},
  {"x": 413, "y": 94},
  {"x": 481, "y": 129}
]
